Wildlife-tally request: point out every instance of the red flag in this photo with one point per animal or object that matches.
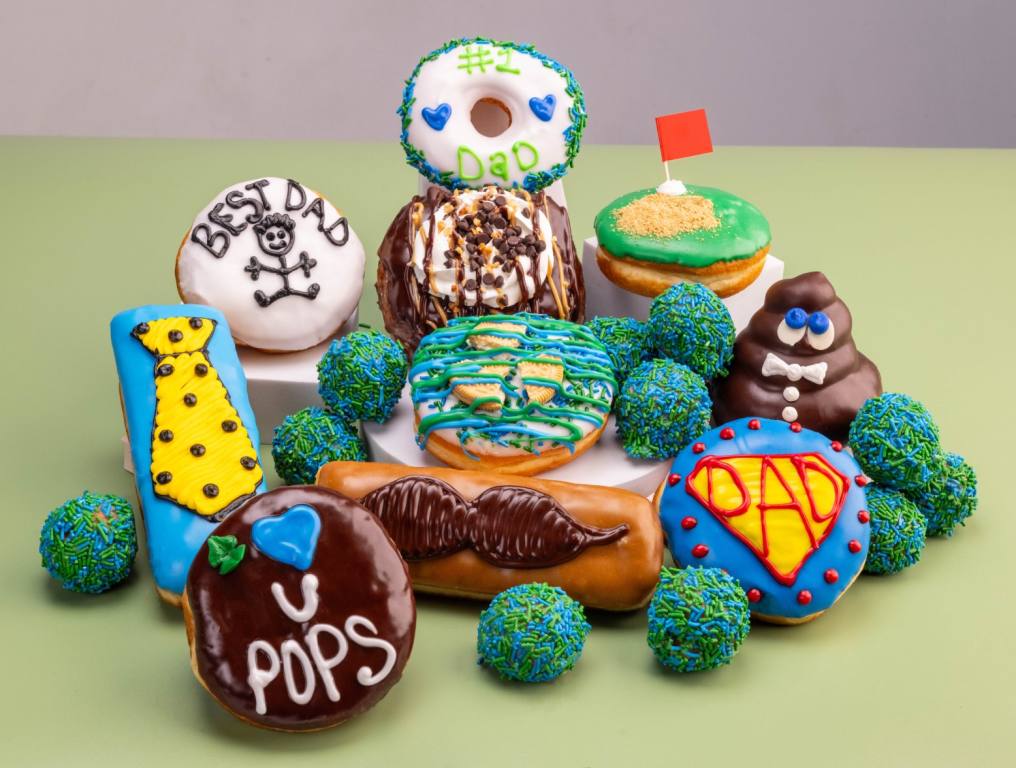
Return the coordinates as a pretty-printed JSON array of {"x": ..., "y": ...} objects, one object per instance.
[{"x": 683, "y": 135}]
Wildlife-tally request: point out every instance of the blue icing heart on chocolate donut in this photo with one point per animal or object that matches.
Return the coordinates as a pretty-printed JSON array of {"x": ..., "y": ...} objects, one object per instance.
[
  {"x": 543, "y": 108},
  {"x": 290, "y": 538},
  {"x": 437, "y": 117},
  {"x": 782, "y": 509}
]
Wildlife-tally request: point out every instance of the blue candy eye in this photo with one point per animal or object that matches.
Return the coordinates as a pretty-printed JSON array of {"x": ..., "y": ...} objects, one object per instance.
[
  {"x": 818, "y": 322},
  {"x": 796, "y": 318}
]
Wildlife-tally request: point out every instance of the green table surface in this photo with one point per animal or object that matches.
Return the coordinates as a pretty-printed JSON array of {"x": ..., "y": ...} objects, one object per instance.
[{"x": 914, "y": 669}]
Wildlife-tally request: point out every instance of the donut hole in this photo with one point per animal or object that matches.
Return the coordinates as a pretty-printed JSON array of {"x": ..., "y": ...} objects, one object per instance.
[{"x": 490, "y": 117}]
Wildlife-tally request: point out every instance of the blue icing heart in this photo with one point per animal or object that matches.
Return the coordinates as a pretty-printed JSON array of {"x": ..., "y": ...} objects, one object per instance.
[
  {"x": 543, "y": 108},
  {"x": 290, "y": 538},
  {"x": 437, "y": 117}
]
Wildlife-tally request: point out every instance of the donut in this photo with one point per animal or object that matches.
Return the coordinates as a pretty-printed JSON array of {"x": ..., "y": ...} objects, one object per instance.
[
  {"x": 88, "y": 543},
  {"x": 277, "y": 259},
  {"x": 309, "y": 438},
  {"x": 662, "y": 407},
  {"x": 193, "y": 437},
  {"x": 478, "y": 111},
  {"x": 796, "y": 360},
  {"x": 476, "y": 252},
  {"x": 896, "y": 440},
  {"x": 515, "y": 393},
  {"x": 299, "y": 611},
  {"x": 532, "y": 633},
  {"x": 698, "y": 618},
  {"x": 626, "y": 340},
  {"x": 780, "y": 508},
  {"x": 474, "y": 534},
  {"x": 650, "y": 240},
  {"x": 362, "y": 375},
  {"x": 950, "y": 497},
  {"x": 689, "y": 324}
]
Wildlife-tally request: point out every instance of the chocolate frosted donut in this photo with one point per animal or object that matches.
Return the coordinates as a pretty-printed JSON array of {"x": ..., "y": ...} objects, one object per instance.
[
  {"x": 476, "y": 252},
  {"x": 299, "y": 610},
  {"x": 796, "y": 361}
]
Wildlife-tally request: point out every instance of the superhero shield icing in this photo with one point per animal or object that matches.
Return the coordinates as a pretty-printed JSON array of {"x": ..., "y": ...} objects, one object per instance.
[{"x": 796, "y": 361}]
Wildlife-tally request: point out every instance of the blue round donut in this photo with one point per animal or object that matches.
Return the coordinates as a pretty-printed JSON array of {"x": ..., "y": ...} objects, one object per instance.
[{"x": 782, "y": 509}]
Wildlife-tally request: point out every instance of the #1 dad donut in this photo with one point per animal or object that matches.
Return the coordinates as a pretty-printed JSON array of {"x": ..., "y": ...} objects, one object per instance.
[
  {"x": 478, "y": 111},
  {"x": 782, "y": 509},
  {"x": 280, "y": 262},
  {"x": 299, "y": 611}
]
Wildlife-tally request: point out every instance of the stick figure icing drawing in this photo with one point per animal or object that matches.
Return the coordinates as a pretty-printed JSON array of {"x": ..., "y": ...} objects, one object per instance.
[{"x": 277, "y": 259}]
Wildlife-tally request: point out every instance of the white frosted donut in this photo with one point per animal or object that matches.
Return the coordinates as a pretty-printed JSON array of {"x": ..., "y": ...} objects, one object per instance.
[
  {"x": 468, "y": 89},
  {"x": 277, "y": 259}
]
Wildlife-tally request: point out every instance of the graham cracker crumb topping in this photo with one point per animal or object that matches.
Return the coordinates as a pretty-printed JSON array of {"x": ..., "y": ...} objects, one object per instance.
[{"x": 662, "y": 216}]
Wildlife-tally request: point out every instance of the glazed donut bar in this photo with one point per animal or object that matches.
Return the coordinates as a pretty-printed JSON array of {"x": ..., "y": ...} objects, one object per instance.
[{"x": 475, "y": 534}]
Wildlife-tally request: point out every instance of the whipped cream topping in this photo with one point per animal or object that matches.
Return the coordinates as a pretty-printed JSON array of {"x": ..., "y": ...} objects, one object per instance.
[{"x": 489, "y": 246}]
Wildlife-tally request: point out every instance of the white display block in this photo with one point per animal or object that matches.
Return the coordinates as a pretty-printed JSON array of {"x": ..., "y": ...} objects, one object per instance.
[
  {"x": 281, "y": 384},
  {"x": 605, "y": 463},
  {"x": 605, "y": 298}
]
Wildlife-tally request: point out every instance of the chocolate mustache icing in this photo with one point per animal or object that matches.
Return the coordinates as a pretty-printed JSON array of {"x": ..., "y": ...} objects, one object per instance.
[
  {"x": 508, "y": 526},
  {"x": 797, "y": 361}
]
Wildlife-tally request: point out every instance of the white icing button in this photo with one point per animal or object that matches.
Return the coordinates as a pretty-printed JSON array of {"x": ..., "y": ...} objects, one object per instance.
[
  {"x": 672, "y": 187},
  {"x": 790, "y": 394},
  {"x": 790, "y": 413},
  {"x": 277, "y": 259}
]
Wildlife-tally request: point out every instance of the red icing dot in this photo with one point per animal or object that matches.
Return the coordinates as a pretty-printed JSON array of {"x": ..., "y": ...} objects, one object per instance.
[
  {"x": 673, "y": 479},
  {"x": 804, "y": 597},
  {"x": 726, "y": 433},
  {"x": 700, "y": 550},
  {"x": 755, "y": 424},
  {"x": 863, "y": 516},
  {"x": 795, "y": 427},
  {"x": 698, "y": 447},
  {"x": 836, "y": 445},
  {"x": 754, "y": 595},
  {"x": 688, "y": 523},
  {"x": 831, "y": 576},
  {"x": 862, "y": 480},
  {"x": 854, "y": 546}
]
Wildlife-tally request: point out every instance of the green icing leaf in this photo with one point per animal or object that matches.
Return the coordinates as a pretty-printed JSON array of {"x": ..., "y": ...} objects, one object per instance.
[
  {"x": 232, "y": 559},
  {"x": 225, "y": 553}
]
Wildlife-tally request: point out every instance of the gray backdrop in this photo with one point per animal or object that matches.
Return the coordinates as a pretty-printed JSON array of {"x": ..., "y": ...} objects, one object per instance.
[{"x": 827, "y": 72}]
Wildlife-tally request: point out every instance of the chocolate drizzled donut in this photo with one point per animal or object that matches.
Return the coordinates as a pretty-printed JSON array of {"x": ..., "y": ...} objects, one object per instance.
[{"x": 508, "y": 526}]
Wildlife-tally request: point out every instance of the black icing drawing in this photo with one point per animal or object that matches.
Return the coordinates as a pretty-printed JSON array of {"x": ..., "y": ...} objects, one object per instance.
[{"x": 275, "y": 238}]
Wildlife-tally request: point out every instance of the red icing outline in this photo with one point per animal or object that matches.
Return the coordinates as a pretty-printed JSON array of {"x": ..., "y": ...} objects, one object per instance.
[{"x": 802, "y": 463}]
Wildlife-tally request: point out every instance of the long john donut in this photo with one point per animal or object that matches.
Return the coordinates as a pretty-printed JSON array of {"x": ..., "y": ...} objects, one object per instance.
[{"x": 474, "y": 534}]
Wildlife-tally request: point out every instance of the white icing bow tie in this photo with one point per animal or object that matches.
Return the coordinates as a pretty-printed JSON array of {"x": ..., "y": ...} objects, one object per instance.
[{"x": 777, "y": 366}]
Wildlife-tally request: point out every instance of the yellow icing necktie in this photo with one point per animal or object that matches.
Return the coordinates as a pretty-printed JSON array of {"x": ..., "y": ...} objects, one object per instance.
[{"x": 202, "y": 456}]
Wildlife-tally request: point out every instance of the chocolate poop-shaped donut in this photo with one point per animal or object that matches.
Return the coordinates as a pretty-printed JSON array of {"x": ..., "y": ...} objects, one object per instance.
[{"x": 796, "y": 360}]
